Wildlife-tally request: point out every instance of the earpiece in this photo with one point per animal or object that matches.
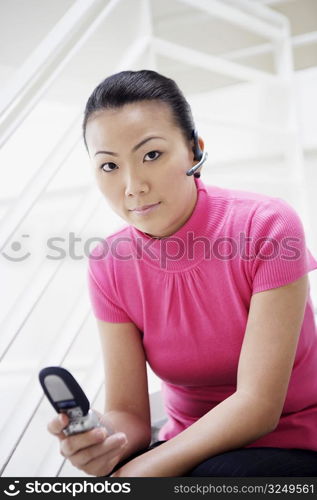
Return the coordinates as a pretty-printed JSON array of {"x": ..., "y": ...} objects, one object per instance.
[{"x": 199, "y": 155}]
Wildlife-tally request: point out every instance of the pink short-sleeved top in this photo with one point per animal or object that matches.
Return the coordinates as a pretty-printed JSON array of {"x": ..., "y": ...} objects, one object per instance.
[{"x": 189, "y": 296}]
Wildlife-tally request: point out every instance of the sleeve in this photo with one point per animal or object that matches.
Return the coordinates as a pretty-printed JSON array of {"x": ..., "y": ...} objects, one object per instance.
[
  {"x": 278, "y": 248},
  {"x": 102, "y": 294}
]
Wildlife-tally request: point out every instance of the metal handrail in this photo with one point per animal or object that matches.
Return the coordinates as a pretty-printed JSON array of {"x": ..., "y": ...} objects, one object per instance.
[
  {"x": 213, "y": 63},
  {"x": 241, "y": 18},
  {"x": 37, "y": 74}
]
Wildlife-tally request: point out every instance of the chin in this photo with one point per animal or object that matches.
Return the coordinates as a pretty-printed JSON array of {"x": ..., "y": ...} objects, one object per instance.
[
  {"x": 146, "y": 228},
  {"x": 150, "y": 230}
]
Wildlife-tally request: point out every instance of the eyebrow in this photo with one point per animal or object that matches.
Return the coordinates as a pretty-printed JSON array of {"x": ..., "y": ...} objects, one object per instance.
[{"x": 137, "y": 146}]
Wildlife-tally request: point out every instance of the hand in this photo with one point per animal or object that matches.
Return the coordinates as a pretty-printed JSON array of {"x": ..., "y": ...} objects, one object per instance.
[{"x": 94, "y": 451}]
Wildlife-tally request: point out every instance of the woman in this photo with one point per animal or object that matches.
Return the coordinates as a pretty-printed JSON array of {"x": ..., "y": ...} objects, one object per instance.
[{"x": 209, "y": 286}]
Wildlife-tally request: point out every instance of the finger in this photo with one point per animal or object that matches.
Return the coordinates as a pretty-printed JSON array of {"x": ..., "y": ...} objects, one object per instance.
[
  {"x": 82, "y": 441},
  {"x": 108, "y": 452},
  {"x": 73, "y": 444},
  {"x": 98, "y": 467},
  {"x": 57, "y": 425},
  {"x": 115, "y": 441},
  {"x": 104, "y": 422}
]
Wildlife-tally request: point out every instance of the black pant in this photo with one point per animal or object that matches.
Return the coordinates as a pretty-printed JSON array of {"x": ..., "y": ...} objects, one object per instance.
[{"x": 247, "y": 462}]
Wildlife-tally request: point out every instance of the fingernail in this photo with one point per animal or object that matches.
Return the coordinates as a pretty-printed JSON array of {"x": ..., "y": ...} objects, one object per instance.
[{"x": 121, "y": 437}]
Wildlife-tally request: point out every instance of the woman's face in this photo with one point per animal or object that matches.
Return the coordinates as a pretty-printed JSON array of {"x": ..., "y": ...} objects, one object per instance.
[{"x": 140, "y": 158}]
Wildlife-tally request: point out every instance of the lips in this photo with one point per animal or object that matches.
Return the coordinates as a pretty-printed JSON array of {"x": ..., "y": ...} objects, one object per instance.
[{"x": 144, "y": 207}]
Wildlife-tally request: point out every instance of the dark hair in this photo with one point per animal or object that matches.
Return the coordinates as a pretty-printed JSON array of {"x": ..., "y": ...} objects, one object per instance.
[{"x": 132, "y": 86}]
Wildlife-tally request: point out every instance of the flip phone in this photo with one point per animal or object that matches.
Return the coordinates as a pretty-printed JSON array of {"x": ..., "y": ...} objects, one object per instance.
[{"x": 66, "y": 396}]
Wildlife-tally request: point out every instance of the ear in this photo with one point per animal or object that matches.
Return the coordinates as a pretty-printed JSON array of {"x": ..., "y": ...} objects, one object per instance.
[{"x": 201, "y": 143}]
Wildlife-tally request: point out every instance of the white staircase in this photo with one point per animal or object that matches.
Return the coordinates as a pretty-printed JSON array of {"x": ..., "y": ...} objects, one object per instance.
[{"x": 246, "y": 114}]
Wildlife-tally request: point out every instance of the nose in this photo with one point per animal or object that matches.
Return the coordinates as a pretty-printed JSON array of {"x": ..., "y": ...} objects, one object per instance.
[{"x": 135, "y": 185}]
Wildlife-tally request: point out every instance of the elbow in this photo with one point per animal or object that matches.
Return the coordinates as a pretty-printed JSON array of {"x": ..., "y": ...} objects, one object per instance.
[
  {"x": 271, "y": 426},
  {"x": 266, "y": 415},
  {"x": 266, "y": 426},
  {"x": 271, "y": 417},
  {"x": 271, "y": 421},
  {"x": 263, "y": 425},
  {"x": 147, "y": 433},
  {"x": 275, "y": 422},
  {"x": 273, "y": 414}
]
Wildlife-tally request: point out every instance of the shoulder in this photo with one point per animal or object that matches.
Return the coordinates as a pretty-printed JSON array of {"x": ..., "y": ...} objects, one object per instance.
[
  {"x": 276, "y": 217},
  {"x": 103, "y": 259},
  {"x": 115, "y": 244},
  {"x": 253, "y": 209},
  {"x": 240, "y": 200}
]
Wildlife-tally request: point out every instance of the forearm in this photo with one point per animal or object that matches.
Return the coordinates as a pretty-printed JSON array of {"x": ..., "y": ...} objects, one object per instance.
[
  {"x": 233, "y": 423},
  {"x": 138, "y": 434}
]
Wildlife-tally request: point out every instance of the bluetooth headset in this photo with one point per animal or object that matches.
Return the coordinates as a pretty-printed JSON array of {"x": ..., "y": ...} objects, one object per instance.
[{"x": 199, "y": 155}]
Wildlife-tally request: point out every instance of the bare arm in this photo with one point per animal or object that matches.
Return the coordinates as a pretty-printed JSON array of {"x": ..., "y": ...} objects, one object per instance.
[
  {"x": 265, "y": 365},
  {"x": 126, "y": 390},
  {"x": 127, "y": 408}
]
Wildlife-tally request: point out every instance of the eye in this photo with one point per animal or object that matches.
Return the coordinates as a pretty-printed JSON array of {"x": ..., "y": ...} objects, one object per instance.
[
  {"x": 153, "y": 155},
  {"x": 108, "y": 167}
]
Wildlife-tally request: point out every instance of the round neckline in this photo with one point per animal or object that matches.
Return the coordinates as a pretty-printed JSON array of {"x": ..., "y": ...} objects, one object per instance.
[{"x": 175, "y": 252}]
